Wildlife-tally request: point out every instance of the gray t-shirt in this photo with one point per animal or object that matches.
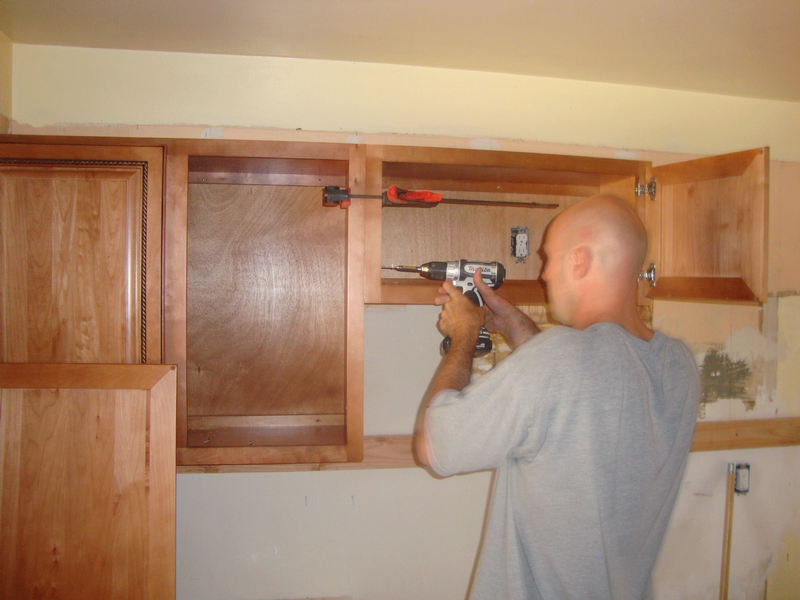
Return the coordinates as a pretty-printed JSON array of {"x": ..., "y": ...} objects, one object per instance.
[{"x": 590, "y": 431}]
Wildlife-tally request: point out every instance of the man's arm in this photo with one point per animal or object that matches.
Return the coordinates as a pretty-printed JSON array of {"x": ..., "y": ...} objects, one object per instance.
[
  {"x": 461, "y": 320},
  {"x": 504, "y": 317}
]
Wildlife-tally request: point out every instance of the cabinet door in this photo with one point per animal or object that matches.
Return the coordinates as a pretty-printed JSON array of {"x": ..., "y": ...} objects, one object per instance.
[
  {"x": 267, "y": 327},
  {"x": 711, "y": 218},
  {"x": 81, "y": 253},
  {"x": 87, "y": 476}
]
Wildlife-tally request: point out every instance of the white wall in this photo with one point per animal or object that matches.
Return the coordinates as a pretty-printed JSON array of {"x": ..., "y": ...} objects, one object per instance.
[{"x": 402, "y": 533}]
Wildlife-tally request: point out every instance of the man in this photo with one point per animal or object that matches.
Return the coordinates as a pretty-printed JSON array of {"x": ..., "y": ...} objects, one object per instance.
[{"x": 589, "y": 424}]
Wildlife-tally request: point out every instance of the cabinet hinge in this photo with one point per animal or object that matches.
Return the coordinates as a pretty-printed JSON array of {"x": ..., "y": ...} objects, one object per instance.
[
  {"x": 650, "y": 188},
  {"x": 649, "y": 275}
]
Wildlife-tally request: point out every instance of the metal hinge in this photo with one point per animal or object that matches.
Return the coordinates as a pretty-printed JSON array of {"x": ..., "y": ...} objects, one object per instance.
[
  {"x": 649, "y": 275},
  {"x": 650, "y": 188}
]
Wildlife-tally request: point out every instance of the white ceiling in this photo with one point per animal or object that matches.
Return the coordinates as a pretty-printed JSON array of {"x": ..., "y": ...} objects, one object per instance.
[{"x": 737, "y": 47}]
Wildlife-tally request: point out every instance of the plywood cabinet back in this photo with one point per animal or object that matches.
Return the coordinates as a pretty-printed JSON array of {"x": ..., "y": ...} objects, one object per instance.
[
  {"x": 265, "y": 302},
  {"x": 76, "y": 259}
]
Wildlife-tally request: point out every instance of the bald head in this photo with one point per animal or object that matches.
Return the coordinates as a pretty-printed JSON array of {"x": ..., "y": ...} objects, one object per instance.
[
  {"x": 595, "y": 251},
  {"x": 610, "y": 230}
]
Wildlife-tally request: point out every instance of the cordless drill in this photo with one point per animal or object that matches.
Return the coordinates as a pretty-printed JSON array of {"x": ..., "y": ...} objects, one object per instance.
[{"x": 460, "y": 273}]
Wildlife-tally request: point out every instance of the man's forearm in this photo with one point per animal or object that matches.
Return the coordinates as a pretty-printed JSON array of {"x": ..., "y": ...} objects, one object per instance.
[{"x": 453, "y": 373}]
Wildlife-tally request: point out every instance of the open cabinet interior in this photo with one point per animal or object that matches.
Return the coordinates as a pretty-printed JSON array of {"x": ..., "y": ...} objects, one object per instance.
[
  {"x": 516, "y": 192},
  {"x": 266, "y": 312},
  {"x": 713, "y": 224}
]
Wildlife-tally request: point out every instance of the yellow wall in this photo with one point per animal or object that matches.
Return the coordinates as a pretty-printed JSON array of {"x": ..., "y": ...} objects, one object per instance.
[
  {"x": 58, "y": 86},
  {"x": 6, "y": 48}
]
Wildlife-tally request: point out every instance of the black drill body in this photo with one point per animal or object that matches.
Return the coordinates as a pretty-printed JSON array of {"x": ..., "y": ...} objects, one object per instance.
[{"x": 461, "y": 273}]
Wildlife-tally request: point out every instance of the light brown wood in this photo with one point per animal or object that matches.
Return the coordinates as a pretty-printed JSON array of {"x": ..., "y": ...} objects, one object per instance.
[
  {"x": 253, "y": 458},
  {"x": 447, "y": 232},
  {"x": 292, "y": 430},
  {"x": 306, "y": 167},
  {"x": 726, "y": 536},
  {"x": 396, "y": 451},
  {"x": 78, "y": 225},
  {"x": 88, "y": 483},
  {"x": 423, "y": 291},
  {"x": 714, "y": 219},
  {"x": 175, "y": 230},
  {"x": 267, "y": 171},
  {"x": 373, "y": 226},
  {"x": 717, "y": 289},
  {"x": 755, "y": 433},
  {"x": 354, "y": 302},
  {"x": 266, "y": 297},
  {"x": 79, "y": 376}
]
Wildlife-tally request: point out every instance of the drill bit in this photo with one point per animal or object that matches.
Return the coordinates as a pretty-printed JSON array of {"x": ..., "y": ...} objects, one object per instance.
[{"x": 404, "y": 268}]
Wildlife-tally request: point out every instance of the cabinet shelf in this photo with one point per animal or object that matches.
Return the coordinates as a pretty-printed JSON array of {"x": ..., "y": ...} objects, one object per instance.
[{"x": 422, "y": 291}]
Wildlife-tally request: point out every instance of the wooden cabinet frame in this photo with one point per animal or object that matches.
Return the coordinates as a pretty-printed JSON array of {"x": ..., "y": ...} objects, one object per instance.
[
  {"x": 706, "y": 218},
  {"x": 714, "y": 209},
  {"x": 267, "y": 163}
]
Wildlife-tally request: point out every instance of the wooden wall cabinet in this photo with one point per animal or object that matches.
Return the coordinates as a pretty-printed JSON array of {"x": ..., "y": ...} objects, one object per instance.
[
  {"x": 264, "y": 302},
  {"x": 706, "y": 219},
  {"x": 87, "y": 481},
  {"x": 260, "y": 302},
  {"x": 80, "y": 232}
]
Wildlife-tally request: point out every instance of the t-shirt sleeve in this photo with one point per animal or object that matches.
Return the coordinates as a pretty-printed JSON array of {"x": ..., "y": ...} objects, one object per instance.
[{"x": 491, "y": 420}]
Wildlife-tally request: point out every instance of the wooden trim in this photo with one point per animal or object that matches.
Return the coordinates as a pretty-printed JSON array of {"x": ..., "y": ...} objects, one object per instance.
[
  {"x": 711, "y": 167},
  {"x": 423, "y": 291},
  {"x": 260, "y": 431},
  {"x": 510, "y": 159},
  {"x": 354, "y": 358},
  {"x": 81, "y": 376},
  {"x": 755, "y": 433},
  {"x": 253, "y": 458},
  {"x": 710, "y": 289},
  {"x": 276, "y": 421},
  {"x": 396, "y": 451},
  {"x": 373, "y": 227},
  {"x": 175, "y": 251}
]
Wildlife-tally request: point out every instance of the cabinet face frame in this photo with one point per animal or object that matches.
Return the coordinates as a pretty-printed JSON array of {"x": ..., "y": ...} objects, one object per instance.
[
  {"x": 145, "y": 163},
  {"x": 292, "y": 164}
]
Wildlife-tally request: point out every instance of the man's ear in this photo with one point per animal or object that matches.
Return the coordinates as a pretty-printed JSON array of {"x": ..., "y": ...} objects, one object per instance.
[{"x": 581, "y": 259}]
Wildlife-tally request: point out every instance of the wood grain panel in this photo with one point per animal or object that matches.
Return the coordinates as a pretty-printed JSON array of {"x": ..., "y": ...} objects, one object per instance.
[
  {"x": 81, "y": 234},
  {"x": 412, "y": 236},
  {"x": 88, "y": 496},
  {"x": 71, "y": 283},
  {"x": 265, "y": 302},
  {"x": 714, "y": 219}
]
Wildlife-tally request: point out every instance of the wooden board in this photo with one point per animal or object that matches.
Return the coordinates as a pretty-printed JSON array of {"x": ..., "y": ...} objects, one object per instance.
[
  {"x": 412, "y": 236},
  {"x": 87, "y": 508},
  {"x": 714, "y": 218},
  {"x": 80, "y": 231},
  {"x": 265, "y": 302},
  {"x": 396, "y": 451}
]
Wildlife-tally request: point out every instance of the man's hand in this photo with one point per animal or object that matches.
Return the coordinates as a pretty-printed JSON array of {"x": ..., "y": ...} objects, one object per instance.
[
  {"x": 460, "y": 318},
  {"x": 504, "y": 317}
]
